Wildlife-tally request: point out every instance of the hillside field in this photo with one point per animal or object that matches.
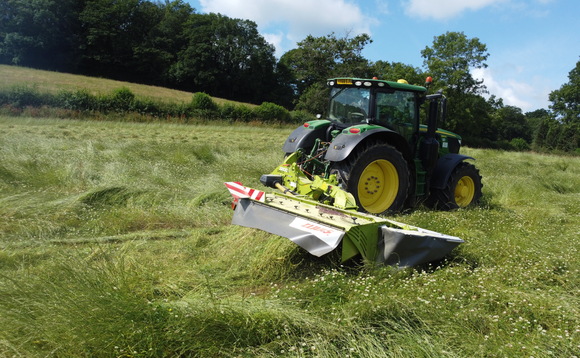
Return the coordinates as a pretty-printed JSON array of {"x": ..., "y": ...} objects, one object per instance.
[
  {"x": 54, "y": 82},
  {"x": 115, "y": 241}
]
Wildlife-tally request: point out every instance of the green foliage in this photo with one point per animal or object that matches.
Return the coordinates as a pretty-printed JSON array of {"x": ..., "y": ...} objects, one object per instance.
[
  {"x": 202, "y": 101},
  {"x": 318, "y": 58},
  {"x": 233, "y": 112},
  {"x": 299, "y": 116},
  {"x": 314, "y": 100},
  {"x": 561, "y": 130},
  {"x": 40, "y": 34},
  {"x": 22, "y": 96},
  {"x": 509, "y": 122},
  {"x": 450, "y": 60},
  {"x": 121, "y": 100},
  {"x": 566, "y": 100},
  {"x": 225, "y": 57},
  {"x": 519, "y": 144},
  {"x": 162, "y": 43},
  {"x": 471, "y": 116},
  {"x": 124, "y": 101},
  {"x": 80, "y": 100},
  {"x": 393, "y": 71},
  {"x": 271, "y": 112},
  {"x": 554, "y": 135}
]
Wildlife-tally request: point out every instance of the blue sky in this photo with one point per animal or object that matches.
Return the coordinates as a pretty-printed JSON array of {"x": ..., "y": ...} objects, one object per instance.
[{"x": 533, "y": 44}]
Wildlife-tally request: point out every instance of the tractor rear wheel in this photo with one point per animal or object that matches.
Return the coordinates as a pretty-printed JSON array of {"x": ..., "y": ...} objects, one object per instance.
[
  {"x": 377, "y": 177},
  {"x": 462, "y": 190}
]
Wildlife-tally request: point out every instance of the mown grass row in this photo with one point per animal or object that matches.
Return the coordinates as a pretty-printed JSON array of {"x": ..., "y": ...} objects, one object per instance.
[{"x": 115, "y": 241}]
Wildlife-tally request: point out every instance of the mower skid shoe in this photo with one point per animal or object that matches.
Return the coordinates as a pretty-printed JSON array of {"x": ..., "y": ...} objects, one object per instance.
[
  {"x": 406, "y": 248},
  {"x": 316, "y": 238}
]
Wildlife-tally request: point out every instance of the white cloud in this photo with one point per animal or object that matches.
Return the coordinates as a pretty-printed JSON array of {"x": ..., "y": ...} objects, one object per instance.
[
  {"x": 444, "y": 9},
  {"x": 528, "y": 95},
  {"x": 299, "y": 18},
  {"x": 274, "y": 39}
]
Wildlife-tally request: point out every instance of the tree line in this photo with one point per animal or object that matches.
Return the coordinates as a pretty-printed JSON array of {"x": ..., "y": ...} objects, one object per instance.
[
  {"x": 158, "y": 43},
  {"x": 169, "y": 44}
]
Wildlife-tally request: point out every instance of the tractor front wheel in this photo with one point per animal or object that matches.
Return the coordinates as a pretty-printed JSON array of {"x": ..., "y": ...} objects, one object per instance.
[
  {"x": 462, "y": 190},
  {"x": 377, "y": 177}
]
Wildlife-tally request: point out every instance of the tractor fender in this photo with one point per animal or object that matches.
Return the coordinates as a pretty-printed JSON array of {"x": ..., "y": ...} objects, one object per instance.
[
  {"x": 445, "y": 166},
  {"x": 304, "y": 137},
  {"x": 344, "y": 144}
]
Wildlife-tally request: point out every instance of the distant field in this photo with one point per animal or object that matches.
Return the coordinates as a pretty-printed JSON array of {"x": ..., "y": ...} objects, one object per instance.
[
  {"x": 53, "y": 82},
  {"x": 115, "y": 242}
]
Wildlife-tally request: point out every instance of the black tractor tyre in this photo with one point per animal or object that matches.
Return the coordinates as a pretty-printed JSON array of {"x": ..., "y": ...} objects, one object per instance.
[
  {"x": 463, "y": 189},
  {"x": 377, "y": 177}
]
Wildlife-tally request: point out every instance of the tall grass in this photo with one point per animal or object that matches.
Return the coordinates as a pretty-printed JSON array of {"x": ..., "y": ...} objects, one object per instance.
[{"x": 115, "y": 242}]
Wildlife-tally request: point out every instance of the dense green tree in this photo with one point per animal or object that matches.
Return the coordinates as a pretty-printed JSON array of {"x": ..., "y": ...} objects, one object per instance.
[
  {"x": 535, "y": 119},
  {"x": 314, "y": 99},
  {"x": 552, "y": 134},
  {"x": 449, "y": 61},
  {"x": 111, "y": 30},
  {"x": 318, "y": 58},
  {"x": 566, "y": 100},
  {"x": 283, "y": 93},
  {"x": 40, "y": 33},
  {"x": 394, "y": 71},
  {"x": 560, "y": 129},
  {"x": 162, "y": 43},
  {"x": 158, "y": 50},
  {"x": 570, "y": 137},
  {"x": 541, "y": 133},
  {"x": 471, "y": 117},
  {"x": 509, "y": 122},
  {"x": 225, "y": 57}
]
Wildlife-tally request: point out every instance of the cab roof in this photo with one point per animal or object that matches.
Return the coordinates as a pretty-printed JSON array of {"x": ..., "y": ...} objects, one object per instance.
[{"x": 370, "y": 83}]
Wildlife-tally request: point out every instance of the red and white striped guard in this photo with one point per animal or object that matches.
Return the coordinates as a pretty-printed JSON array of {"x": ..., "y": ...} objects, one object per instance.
[{"x": 239, "y": 191}]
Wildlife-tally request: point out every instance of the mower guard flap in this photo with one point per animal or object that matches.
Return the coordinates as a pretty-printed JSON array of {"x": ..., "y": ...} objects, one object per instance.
[
  {"x": 319, "y": 230},
  {"x": 316, "y": 238},
  {"x": 405, "y": 248}
]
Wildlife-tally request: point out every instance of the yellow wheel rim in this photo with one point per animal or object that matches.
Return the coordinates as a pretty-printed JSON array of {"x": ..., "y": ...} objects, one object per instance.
[
  {"x": 378, "y": 186},
  {"x": 464, "y": 191}
]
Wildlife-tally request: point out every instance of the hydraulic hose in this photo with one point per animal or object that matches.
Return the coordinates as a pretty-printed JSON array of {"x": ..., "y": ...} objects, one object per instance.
[{"x": 283, "y": 189}]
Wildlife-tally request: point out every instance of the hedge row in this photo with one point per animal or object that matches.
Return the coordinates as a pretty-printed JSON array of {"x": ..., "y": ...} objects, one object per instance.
[{"x": 123, "y": 101}]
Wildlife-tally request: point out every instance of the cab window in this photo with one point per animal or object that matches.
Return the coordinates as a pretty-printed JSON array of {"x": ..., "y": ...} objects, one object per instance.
[
  {"x": 349, "y": 105},
  {"x": 396, "y": 110}
]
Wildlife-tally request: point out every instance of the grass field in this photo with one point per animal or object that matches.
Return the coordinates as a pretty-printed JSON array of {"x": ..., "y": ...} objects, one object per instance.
[{"x": 115, "y": 242}]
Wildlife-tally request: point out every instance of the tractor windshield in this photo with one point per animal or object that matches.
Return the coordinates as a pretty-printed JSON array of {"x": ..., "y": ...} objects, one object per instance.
[{"x": 349, "y": 105}]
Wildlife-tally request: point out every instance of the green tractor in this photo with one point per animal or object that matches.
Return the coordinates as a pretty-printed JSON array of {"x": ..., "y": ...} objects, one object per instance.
[
  {"x": 372, "y": 144},
  {"x": 370, "y": 156}
]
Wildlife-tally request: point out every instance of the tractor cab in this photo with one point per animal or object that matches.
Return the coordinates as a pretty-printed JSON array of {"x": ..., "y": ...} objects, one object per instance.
[{"x": 393, "y": 105}]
